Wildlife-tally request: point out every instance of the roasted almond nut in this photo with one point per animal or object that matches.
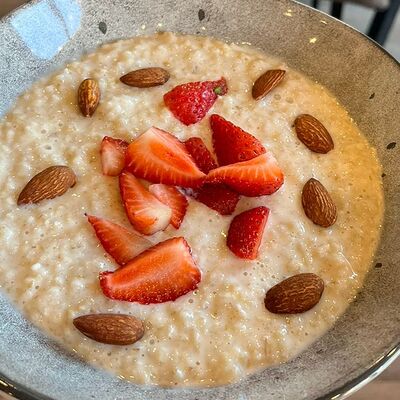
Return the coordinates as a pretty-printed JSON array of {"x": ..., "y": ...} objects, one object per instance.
[
  {"x": 118, "y": 329},
  {"x": 51, "y": 182},
  {"x": 145, "y": 77},
  {"x": 295, "y": 295},
  {"x": 88, "y": 97},
  {"x": 266, "y": 82},
  {"x": 318, "y": 204},
  {"x": 313, "y": 134}
]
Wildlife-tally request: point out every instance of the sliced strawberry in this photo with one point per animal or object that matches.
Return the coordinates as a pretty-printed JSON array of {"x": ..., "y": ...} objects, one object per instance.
[
  {"x": 160, "y": 157},
  {"x": 190, "y": 102},
  {"x": 145, "y": 212},
  {"x": 253, "y": 178},
  {"x": 200, "y": 154},
  {"x": 162, "y": 273},
  {"x": 218, "y": 197},
  {"x": 174, "y": 199},
  {"x": 246, "y": 231},
  {"x": 231, "y": 143},
  {"x": 112, "y": 153},
  {"x": 119, "y": 242}
]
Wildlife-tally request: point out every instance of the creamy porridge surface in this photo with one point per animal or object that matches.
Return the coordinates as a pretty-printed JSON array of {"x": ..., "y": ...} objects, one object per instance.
[{"x": 51, "y": 257}]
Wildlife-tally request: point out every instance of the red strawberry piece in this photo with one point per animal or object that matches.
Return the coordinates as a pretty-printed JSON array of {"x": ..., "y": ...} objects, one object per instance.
[
  {"x": 218, "y": 197},
  {"x": 112, "y": 153},
  {"x": 160, "y": 157},
  {"x": 162, "y": 273},
  {"x": 257, "y": 177},
  {"x": 190, "y": 102},
  {"x": 246, "y": 231},
  {"x": 145, "y": 212},
  {"x": 231, "y": 143},
  {"x": 174, "y": 199},
  {"x": 120, "y": 243},
  {"x": 200, "y": 154}
]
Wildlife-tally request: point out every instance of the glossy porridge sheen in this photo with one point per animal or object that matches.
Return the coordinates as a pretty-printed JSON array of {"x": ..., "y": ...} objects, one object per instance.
[{"x": 221, "y": 332}]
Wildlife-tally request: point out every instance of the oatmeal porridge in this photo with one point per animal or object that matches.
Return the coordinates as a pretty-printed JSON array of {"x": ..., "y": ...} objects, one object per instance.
[{"x": 220, "y": 331}]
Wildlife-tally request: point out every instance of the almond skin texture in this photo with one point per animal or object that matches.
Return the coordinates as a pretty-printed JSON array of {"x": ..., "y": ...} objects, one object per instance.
[
  {"x": 266, "y": 82},
  {"x": 146, "y": 77},
  {"x": 118, "y": 329},
  {"x": 88, "y": 97},
  {"x": 51, "y": 182},
  {"x": 318, "y": 204},
  {"x": 313, "y": 134},
  {"x": 295, "y": 295}
]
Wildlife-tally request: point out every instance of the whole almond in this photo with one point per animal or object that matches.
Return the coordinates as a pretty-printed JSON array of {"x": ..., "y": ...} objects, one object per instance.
[
  {"x": 88, "y": 97},
  {"x": 118, "y": 329},
  {"x": 266, "y": 82},
  {"x": 313, "y": 134},
  {"x": 295, "y": 295},
  {"x": 51, "y": 182},
  {"x": 146, "y": 77},
  {"x": 318, "y": 204}
]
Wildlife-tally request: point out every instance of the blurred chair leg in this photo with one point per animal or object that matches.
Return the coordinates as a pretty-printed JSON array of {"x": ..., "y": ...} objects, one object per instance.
[
  {"x": 382, "y": 22},
  {"x": 337, "y": 9},
  {"x": 315, "y": 3}
]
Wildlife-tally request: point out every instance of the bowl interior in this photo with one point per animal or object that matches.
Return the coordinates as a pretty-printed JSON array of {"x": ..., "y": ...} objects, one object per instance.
[{"x": 44, "y": 35}]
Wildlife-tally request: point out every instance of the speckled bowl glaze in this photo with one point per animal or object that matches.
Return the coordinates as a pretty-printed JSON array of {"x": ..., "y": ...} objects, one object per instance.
[{"x": 42, "y": 36}]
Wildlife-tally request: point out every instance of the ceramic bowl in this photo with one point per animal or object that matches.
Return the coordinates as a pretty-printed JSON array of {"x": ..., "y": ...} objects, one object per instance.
[{"x": 45, "y": 34}]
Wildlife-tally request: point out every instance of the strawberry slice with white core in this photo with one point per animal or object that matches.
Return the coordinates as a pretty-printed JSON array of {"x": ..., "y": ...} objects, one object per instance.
[
  {"x": 174, "y": 199},
  {"x": 256, "y": 177},
  {"x": 160, "y": 157},
  {"x": 112, "y": 152},
  {"x": 146, "y": 213},
  {"x": 120, "y": 243},
  {"x": 162, "y": 273}
]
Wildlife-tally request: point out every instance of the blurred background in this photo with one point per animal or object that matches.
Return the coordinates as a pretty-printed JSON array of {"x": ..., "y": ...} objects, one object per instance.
[{"x": 380, "y": 19}]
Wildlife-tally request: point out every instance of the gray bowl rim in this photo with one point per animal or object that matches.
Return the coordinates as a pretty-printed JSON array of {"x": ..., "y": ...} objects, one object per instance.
[{"x": 21, "y": 392}]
